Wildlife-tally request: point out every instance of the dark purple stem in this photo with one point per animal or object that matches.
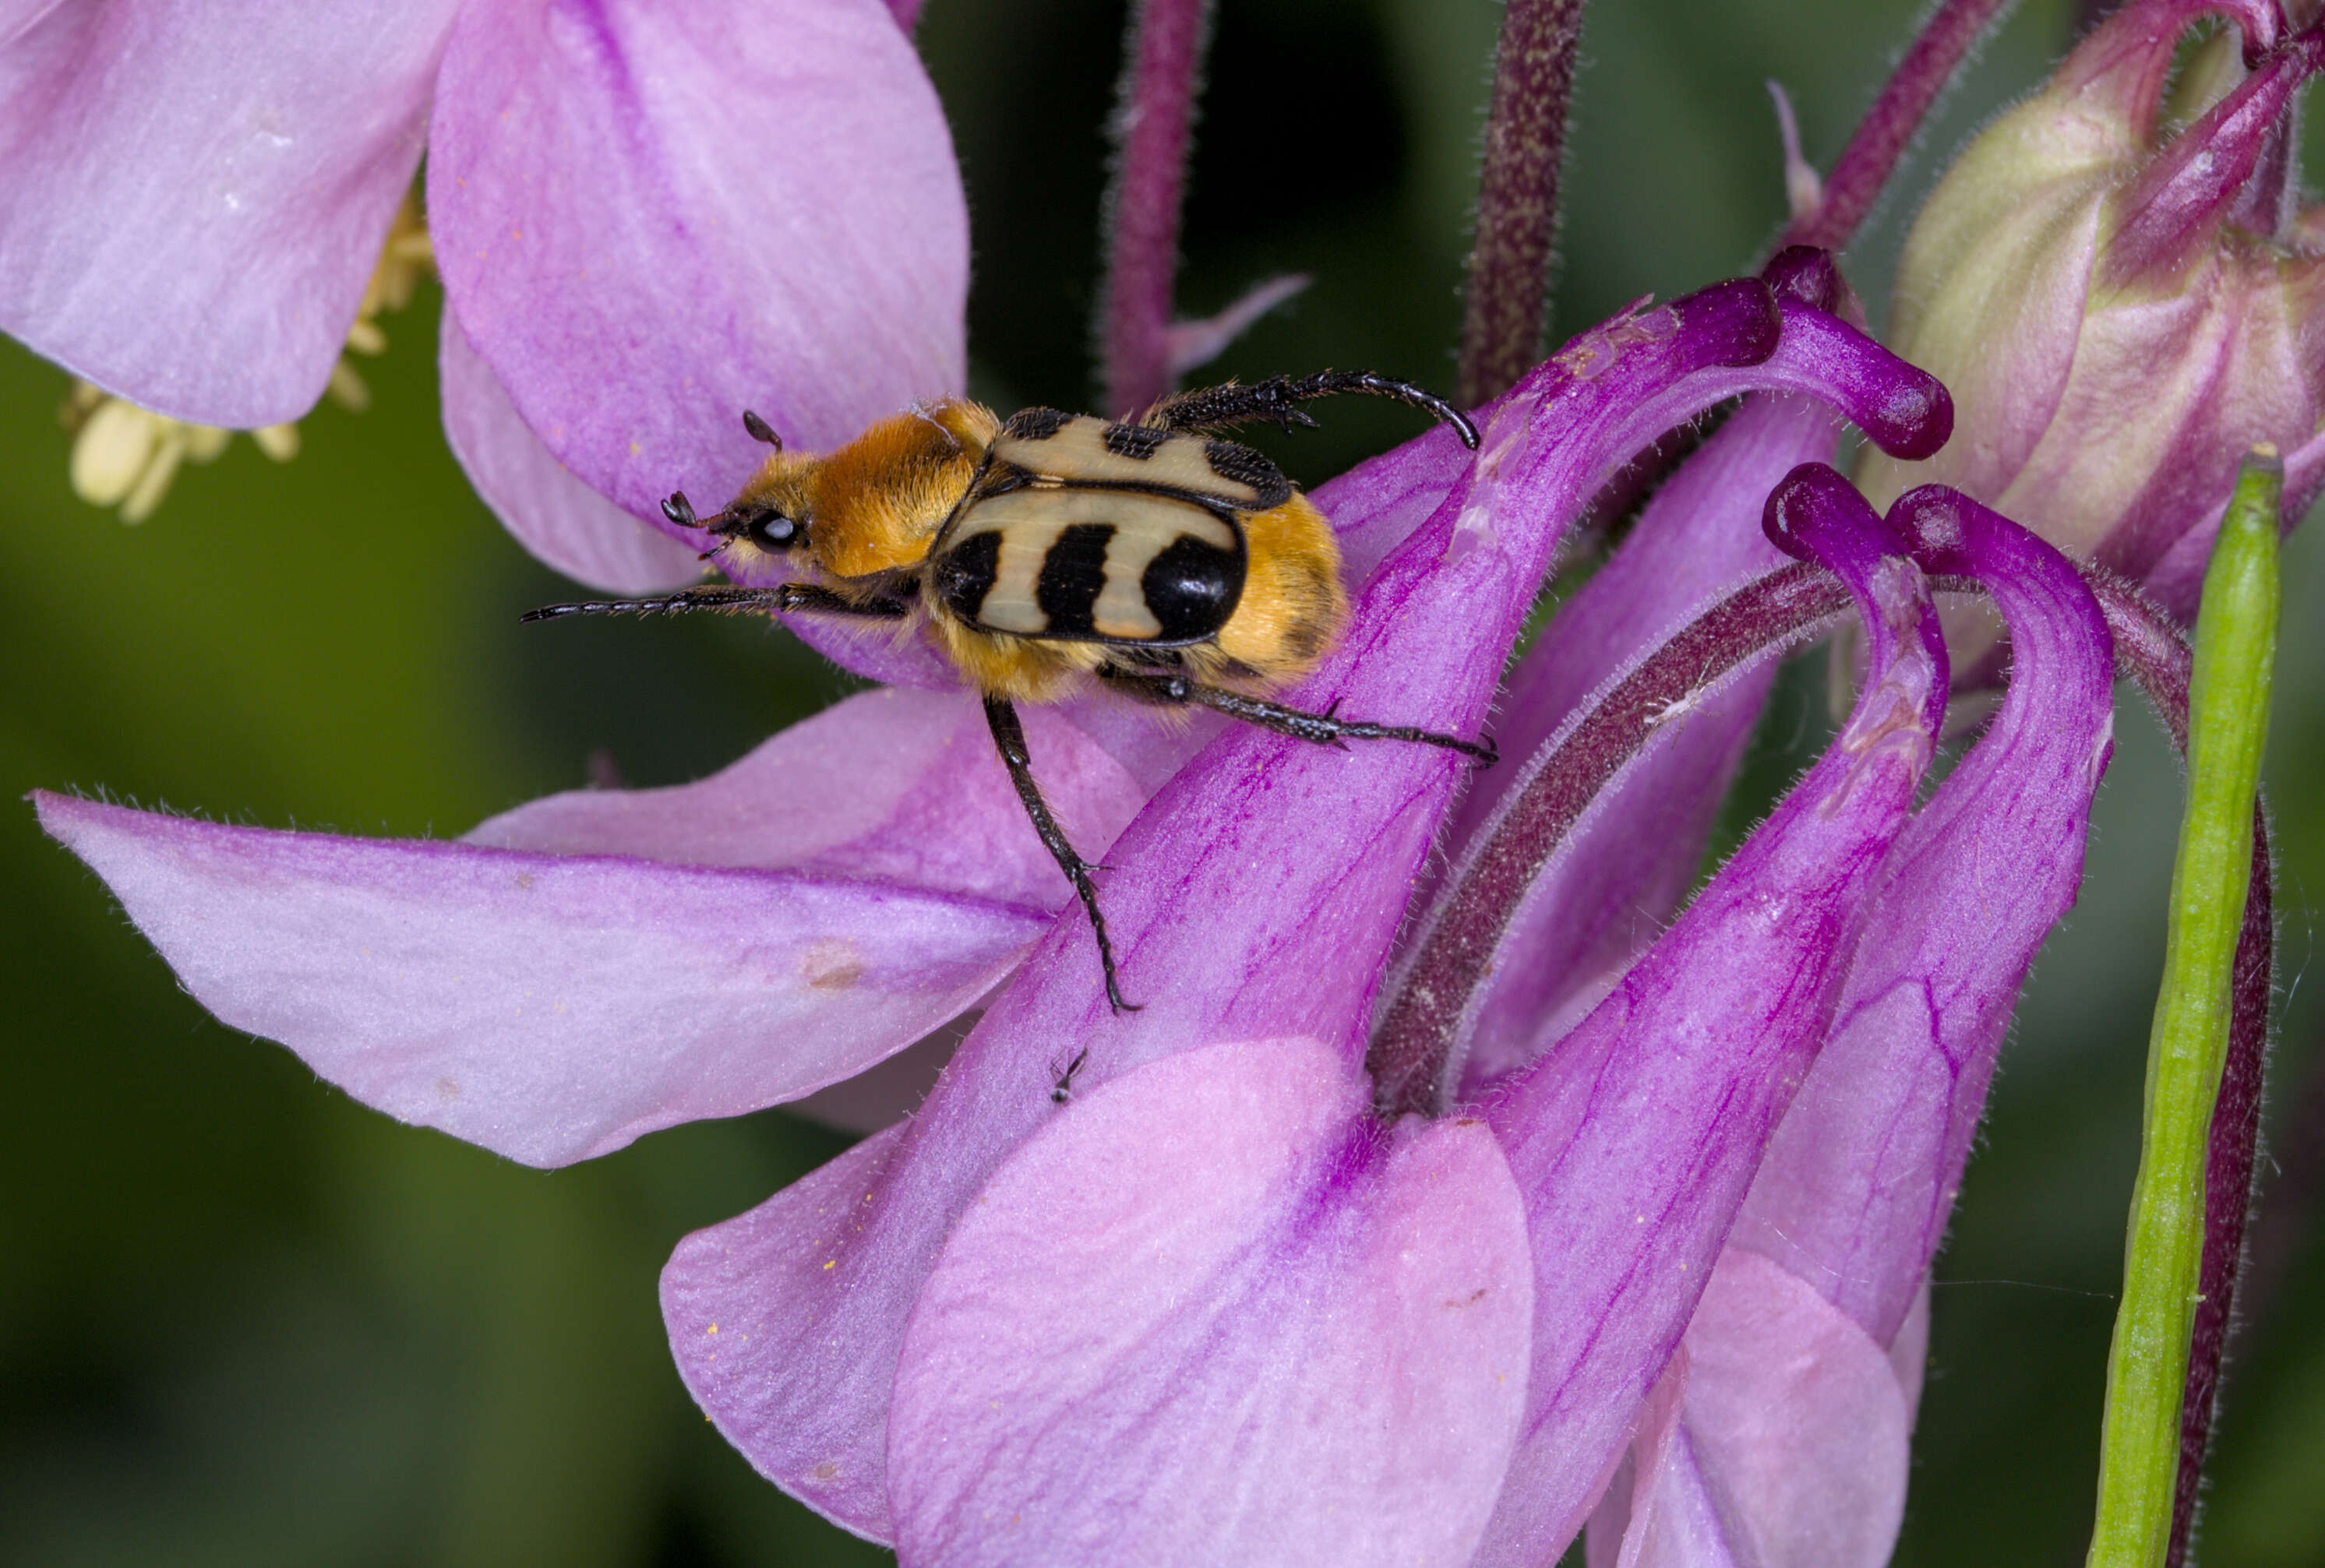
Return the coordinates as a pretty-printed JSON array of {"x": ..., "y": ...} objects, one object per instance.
[
  {"x": 1153, "y": 125},
  {"x": 1504, "y": 322},
  {"x": 1413, "y": 1046},
  {"x": 2282, "y": 1226},
  {"x": 1890, "y": 125},
  {"x": 2154, "y": 651}
]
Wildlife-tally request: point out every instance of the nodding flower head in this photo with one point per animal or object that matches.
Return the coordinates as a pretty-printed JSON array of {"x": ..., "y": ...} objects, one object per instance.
[{"x": 2116, "y": 287}]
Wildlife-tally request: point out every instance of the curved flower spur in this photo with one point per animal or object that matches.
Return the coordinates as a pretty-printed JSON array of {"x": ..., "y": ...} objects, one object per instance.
[{"x": 1792, "y": 1397}]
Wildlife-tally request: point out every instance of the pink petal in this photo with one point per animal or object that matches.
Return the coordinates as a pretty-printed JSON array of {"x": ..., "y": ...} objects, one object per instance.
[
  {"x": 1791, "y": 1443},
  {"x": 1214, "y": 1313},
  {"x": 1660, "y": 1505},
  {"x": 1859, "y": 1183},
  {"x": 651, "y": 216},
  {"x": 561, "y": 520},
  {"x": 724, "y": 1301},
  {"x": 548, "y": 1009},
  {"x": 197, "y": 194},
  {"x": 897, "y": 787}
]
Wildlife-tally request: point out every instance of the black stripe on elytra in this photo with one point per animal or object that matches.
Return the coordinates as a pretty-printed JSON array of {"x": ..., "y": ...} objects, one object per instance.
[
  {"x": 1036, "y": 424},
  {"x": 1191, "y": 589},
  {"x": 1073, "y": 575},
  {"x": 1136, "y": 442},
  {"x": 1242, "y": 465},
  {"x": 964, "y": 574}
]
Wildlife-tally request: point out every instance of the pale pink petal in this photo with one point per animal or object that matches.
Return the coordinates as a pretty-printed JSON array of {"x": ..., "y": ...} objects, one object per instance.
[
  {"x": 1215, "y": 1313},
  {"x": 550, "y": 1008},
  {"x": 894, "y": 786},
  {"x": 561, "y": 520},
  {"x": 196, "y": 193},
  {"x": 651, "y": 214},
  {"x": 1792, "y": 1444}
]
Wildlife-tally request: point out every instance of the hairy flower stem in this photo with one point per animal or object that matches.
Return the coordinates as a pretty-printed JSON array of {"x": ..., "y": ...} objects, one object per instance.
[
  {"x": 2144, "y": 1448},
  {"x": 1154, "y": 126},
  {"x": 1411, "y": 1051},
  {"x": 1506, "y": 317},
  {"x": 2155, "y": 652},
  {"x": 1890, "y": 125}
]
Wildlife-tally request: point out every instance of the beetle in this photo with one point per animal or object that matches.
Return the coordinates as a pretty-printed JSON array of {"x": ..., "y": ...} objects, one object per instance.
[{"x": 1051, "y": 549}]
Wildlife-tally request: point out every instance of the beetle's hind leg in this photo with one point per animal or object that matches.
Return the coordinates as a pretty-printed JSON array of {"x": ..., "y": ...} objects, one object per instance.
[
  {"x": 1324, "y": 729},
  {"x": 783, "y": 599},
  {"x": 1009, "y": 737},
  {"x": 1277, "y": 400}
]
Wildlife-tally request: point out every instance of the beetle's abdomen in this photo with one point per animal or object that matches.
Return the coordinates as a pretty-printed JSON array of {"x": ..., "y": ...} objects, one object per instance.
[{"x": 1091, "y": 564}]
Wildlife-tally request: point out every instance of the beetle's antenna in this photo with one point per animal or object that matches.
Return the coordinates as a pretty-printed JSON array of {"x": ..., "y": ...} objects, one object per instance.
[
  {"x": 732, "y": 599},
  {"x": 761, "y": 430},
  {"x": 720, "y": 597}
]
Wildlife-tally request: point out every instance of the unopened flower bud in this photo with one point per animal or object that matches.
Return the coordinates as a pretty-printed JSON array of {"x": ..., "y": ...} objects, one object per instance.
[{"x": 2121, "y": 312}]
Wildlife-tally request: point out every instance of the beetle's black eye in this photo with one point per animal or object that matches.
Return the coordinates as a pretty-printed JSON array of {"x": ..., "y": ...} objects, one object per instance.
[{"x": 768, "y": 528}]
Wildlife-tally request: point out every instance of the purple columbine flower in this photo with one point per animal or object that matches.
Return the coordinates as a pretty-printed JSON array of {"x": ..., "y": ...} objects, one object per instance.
[
  {"x": 1194, "y": 1233},
  {"x": 704, "y": 204}
]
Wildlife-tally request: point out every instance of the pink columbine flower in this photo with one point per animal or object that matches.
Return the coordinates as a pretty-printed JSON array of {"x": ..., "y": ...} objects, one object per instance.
[
  {"x": 2122, "y": 313},
  {"x": 708, "y": 205},
  {"x": 1216, "y": 1303}
]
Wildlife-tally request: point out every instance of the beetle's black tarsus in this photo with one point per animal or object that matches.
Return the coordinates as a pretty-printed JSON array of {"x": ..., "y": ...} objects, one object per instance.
[
  {"x": 1277, "y": 400},
  {"x": 1009, "y": 738},
  {"x": 725, "y": 598},
  {"x": 1324, "y": 729}
]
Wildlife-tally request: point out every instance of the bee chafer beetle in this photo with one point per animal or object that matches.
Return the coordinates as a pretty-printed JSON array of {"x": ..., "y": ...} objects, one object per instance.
[{"x": 1043, "y": 551}]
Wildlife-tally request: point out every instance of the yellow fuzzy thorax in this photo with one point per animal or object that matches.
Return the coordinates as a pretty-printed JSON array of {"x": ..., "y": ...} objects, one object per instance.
[{"x": 874, "y": 504}]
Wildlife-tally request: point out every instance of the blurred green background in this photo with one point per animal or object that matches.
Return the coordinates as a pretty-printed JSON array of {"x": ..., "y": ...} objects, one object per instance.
[{"x": 243, "y": 1320}]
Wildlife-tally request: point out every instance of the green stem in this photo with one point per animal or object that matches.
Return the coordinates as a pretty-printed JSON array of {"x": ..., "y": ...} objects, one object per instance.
[{"x": 2236, "y": 644}]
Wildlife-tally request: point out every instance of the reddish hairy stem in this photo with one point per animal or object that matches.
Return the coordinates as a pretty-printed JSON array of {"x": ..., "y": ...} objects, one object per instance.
[
  {"x": 2152, "y": 651},
  {"x": 1413, "y": 1049},
  {"x": 1506, "y": 317},
  {"x": 1890, "y": 125},
  {"x": 1154, "y": 126}
]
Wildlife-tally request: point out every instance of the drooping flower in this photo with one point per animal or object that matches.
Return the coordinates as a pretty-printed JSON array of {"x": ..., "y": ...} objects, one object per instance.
[
  {"x": 501, "y": 988},
  {"x": 2121, "y": 312},
  {"x": 198, "y": 202}
]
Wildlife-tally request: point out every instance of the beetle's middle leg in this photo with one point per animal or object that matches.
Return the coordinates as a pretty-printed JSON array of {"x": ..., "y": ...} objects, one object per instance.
[
  {"x": 1324, "y": 729},
  {"x": 1009, "y": 736}
]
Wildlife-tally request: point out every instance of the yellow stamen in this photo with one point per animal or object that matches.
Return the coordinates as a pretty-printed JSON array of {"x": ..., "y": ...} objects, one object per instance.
[
  {"x": 169, "y": 451},
  {"x": 279, "y": 442},
  {"x": 348, "y": 389},
  {"x": 125, "y": 456}
]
